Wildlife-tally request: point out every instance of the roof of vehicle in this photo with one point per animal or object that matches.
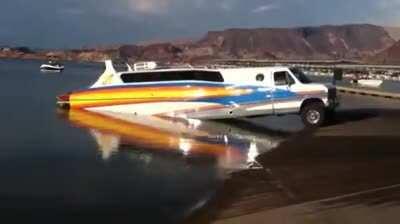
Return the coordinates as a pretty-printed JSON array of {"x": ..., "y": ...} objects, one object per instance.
[{"x": 221, "y": 70}]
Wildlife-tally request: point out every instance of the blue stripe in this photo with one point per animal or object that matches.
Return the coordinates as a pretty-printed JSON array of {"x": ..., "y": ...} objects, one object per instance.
[
  {"x": 257, "y": 96},
  {"x": 283, "y": 94},
  {"x": 242, "y": 99}
]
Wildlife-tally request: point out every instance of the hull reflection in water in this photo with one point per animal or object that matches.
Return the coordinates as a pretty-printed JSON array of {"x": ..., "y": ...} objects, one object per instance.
[{"x": 230, "y": 146}]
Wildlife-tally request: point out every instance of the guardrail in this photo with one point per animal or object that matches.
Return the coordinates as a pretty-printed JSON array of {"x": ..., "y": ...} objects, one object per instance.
[{"x": 367, "y": 92}]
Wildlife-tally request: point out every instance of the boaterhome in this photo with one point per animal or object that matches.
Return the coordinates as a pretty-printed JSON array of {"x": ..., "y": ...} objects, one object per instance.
[{"x": 205, "y": 93}]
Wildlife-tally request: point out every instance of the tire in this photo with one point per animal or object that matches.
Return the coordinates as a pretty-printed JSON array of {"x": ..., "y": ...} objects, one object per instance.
[{"x": 313, "y": 115}]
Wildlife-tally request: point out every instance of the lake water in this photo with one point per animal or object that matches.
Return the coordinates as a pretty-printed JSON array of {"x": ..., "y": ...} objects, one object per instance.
[{"x": 56, "y": 164}]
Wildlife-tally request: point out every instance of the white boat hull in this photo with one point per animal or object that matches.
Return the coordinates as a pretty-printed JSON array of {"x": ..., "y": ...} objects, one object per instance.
[
  {"x": 51, "y": 67},
  {"x": 370, "y": 82}
]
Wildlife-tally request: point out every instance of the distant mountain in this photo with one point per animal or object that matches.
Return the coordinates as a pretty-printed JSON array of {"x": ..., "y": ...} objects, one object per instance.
[
  {"x": 394, "y": 32},
  {"x": 357, "y": 41},
  {"x": 324, "y": 42},
  {"x": 389, "y": 56}
]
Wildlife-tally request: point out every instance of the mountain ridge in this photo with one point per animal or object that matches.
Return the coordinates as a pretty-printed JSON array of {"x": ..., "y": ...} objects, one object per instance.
[{"x": 326, "y": 42}]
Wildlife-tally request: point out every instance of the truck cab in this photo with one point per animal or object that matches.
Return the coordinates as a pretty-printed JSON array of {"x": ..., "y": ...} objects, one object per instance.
[
  {"x": 312, "y": 101},
  {"x": 290, "y": 91}
]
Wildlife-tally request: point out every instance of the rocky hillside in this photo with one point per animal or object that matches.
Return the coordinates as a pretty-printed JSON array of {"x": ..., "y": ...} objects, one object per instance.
[
  {"x": 389, "y": 56},
  {"x": 324, "y": 42},
  {"x": 394, "y": 32},
  {"x": 92, "y": 55}
]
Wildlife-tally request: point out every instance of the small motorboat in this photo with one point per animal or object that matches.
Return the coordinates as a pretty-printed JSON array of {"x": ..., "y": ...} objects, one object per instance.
[
  {"x": 52, "y": 66},
  {"x": 368, "y": 82}
]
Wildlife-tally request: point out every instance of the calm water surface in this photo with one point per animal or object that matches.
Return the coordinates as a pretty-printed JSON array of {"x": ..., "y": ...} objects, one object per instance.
[{"x": 55, "y": 164}]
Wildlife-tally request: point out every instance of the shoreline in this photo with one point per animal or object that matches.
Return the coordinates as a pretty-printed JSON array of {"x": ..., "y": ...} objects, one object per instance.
[{"x": 83, "y": 55}]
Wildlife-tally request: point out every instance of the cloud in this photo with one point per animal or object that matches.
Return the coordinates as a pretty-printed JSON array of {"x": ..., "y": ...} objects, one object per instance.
[
  {"x": 150, "y": 6},
  {"x": 97, "y": 21},
  {"x": 387, "y": 4},
  {"x": 227, "y": 5},
  {"x": 265, "y": 8}
]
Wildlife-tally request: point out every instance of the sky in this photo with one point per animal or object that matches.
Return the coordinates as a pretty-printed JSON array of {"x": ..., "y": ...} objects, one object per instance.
[{"x": 79, "y": 23}]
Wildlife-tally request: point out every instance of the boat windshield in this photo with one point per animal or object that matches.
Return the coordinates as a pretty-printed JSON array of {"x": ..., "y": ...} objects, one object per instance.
[
  {"x": 300, "y": 75},
  {"x": 54, "y": 63}
]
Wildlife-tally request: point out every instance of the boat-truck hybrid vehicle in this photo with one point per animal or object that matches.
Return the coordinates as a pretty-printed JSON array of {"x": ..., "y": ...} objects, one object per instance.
[{"x": 206, "y": 93}]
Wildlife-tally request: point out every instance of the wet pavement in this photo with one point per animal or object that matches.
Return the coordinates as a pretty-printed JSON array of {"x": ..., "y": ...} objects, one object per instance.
[{"x": 345, "y": 172}]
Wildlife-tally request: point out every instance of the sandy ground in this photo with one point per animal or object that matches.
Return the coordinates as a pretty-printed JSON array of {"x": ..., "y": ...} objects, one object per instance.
[{"x": 345, "y": 172}]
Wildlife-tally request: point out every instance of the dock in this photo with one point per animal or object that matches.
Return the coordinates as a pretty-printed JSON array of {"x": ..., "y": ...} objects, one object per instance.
[
  {"x": 348, "y": 67},
  {"x": 311, "y": 64},
  {"x": 368, "y": 92}
]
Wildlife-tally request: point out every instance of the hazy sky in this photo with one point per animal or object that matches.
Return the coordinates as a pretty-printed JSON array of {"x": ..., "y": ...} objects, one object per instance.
[{"x": 75, "y": 23}]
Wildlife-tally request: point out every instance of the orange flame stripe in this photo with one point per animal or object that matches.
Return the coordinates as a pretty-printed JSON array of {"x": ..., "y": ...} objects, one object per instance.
[{"x": 118, "y": 96}]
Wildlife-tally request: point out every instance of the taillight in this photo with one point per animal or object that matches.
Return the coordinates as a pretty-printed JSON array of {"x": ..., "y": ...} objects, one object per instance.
[{"x": 63, "y": 98}]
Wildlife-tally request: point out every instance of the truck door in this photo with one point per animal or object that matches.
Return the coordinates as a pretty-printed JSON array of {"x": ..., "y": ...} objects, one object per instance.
[
  {"x": 263, "y": 95},
  {"x": 285, "y": 100}
]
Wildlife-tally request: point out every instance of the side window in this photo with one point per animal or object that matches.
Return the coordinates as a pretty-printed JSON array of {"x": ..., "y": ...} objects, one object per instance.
[
  {"x": 208, "y": 76},
  {"x": 280, "y": 79},
  {"x": 172, "y": 76},
  {"x": 283, "y": 79},
  {"x": 260, "y": 77},
  {"x": 290, "y": 79}
]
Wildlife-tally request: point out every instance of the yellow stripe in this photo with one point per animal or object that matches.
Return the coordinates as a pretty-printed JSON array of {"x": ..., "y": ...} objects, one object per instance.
[{"x": 140, "y": 95}]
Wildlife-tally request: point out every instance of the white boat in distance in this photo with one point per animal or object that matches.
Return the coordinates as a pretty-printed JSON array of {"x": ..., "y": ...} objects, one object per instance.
[
  {"x": 369, "y": 82},
  {"x": 52, "y": 66}
]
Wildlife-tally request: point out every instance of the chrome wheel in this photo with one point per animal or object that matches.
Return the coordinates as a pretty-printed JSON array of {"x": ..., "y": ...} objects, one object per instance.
[{"x": 313, "y": 116}]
